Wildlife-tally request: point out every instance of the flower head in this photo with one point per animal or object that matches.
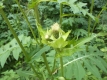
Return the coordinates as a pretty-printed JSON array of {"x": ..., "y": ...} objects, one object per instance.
[{"x": 55, "y": 27}]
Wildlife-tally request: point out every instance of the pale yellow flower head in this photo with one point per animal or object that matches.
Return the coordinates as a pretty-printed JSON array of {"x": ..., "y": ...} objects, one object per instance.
[{"x": 55, "y": 27}]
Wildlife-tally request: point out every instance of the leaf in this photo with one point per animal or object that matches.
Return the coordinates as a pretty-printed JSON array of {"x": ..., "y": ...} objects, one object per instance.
[
  {"x": 84, "y": 40},
  {"x": 103, "y": 62},
  {"x": 16, "y": 53},
  {"x": 80, "y": 32},
  {"x": 89, "y": 14},
  {"x": 24, "y": 73},
  {"x": 72, "y": 1},
  {"x": 99, "y": 64},
  {"x": 77, "y": 46},
  {"x": 61, "y": 1},
  {"x": 68, "y": 51},
  {"x": 82, "y": 60},
  {"x": 74, "y": 70},
  {"x": 93, "y": 69},
  {"x": 14, "y": 48},
  {"x": 104, "y": 49},
  {"x": 58, "y": 43},
  {"x": 80, "y": 71},
  {"x": 68, "y": 71},
  {"x": 74, "y": 9},
  {"x": 77, "y": 7},
  {"x": 40, "y": 52},
  {"x": 80, "y": 4},
  {"x": 70, "y": 21},
  {"x": 3, "y": 58},
  {"x": 64, "y": 36}
]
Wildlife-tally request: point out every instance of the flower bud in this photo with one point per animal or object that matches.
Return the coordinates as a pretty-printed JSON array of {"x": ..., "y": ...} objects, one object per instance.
[
  {"x": 61, "y": 78},
  {"x": 46, "y": 36}
]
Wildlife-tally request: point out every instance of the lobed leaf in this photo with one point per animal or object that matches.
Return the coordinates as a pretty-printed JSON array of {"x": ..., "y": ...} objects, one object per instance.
[
  {"x": 77, "y": 65},
  {"x": 13, "y": 47}
]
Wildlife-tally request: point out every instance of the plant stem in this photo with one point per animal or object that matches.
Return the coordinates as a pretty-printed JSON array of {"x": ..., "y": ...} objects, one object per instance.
[
  {"x": 34, "y": 70},
  {"x": 98, "y": 17},
  {"x": 71, "y": 15},
  {"x": 27, "y": 21},
  {"x": 89, "y": 22},
  {"x": 46, "y": 63},
  {"x": 53, "y": 66},
  {"x": 61, "y": 62},
  {"x": 37, "y": 13},
  {"x": 37, "y": 21},
  {"x": 14, "y": 34},
  {"x": 61, "y": 13}
]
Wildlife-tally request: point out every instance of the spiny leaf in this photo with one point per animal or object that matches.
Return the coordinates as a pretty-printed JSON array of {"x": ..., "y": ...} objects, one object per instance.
[
  {"x": 84, "y": 40},
  {"x": 76, "y": 46},
  {"x": 77, "y": 7},
  {"x": 59, "y": 43},
  {"x": 66, "y": 35},
  {"x": 40, "y": 52},
  {"x": 91, "y": 61}
]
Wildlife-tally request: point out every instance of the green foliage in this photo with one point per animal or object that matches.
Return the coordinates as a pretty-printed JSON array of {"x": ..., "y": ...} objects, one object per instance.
[
  {"x": 64, "y": 42},
  {"x": 86, "y": 58},
  {"x": 9, "y": 75},
  {"x": 13, "y": 47}
]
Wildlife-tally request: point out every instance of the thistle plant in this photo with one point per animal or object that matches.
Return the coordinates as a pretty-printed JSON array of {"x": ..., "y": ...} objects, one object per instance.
[{"x": 70, "y": 56}]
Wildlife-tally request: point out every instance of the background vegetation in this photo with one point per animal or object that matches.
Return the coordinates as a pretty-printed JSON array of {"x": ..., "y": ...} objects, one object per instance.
[{"x": 34, "y": 47}]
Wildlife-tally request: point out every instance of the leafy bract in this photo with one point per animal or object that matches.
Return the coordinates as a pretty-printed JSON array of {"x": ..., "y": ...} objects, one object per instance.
[{"x": 49, "y": 39}]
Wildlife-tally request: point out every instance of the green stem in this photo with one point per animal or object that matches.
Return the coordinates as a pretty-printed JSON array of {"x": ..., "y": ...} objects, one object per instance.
[
  {"x": 46, "y": 63},
  {"x": 71, "y": 15},
  {"x": 61, "y": 13},
  {"x": 53, "y": 66},
  {"x": 61, "y": 62},
  {"x": 36, "y": 73},
  {"x": 96, "y": 21},
  {"x": 89, "y": 22},
  {"x": 37, "y": 20},
  {"x": 37, "y": 13},
  {"x": 14, "y": 34},
  {"x": 99, "y": 16},
  {"x": 27, "y": 21}
]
